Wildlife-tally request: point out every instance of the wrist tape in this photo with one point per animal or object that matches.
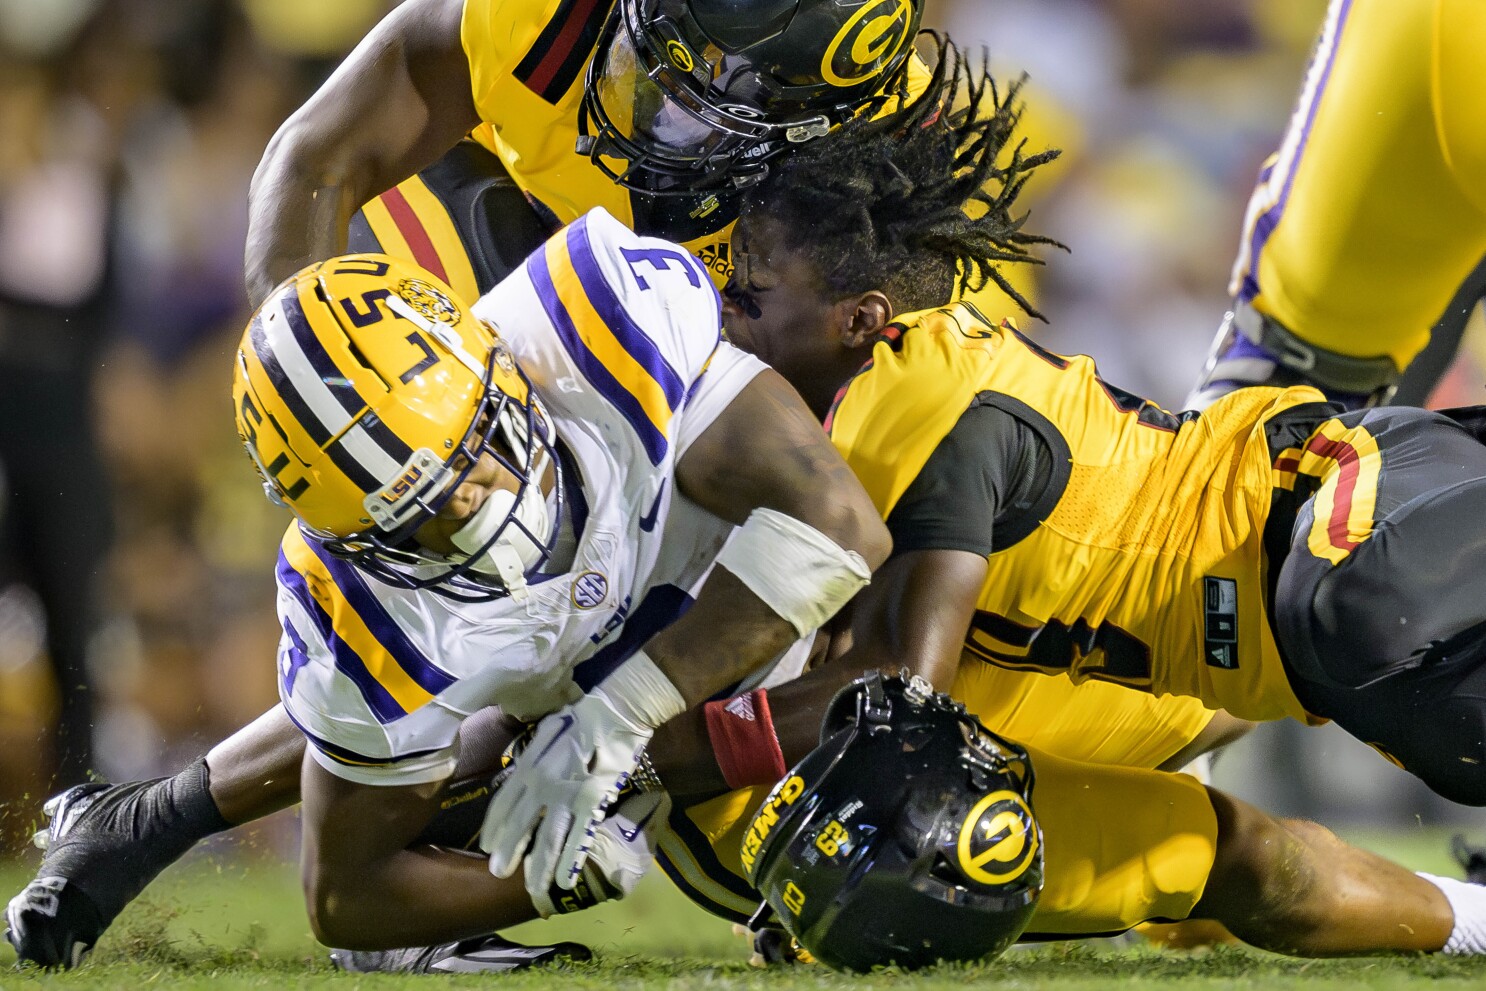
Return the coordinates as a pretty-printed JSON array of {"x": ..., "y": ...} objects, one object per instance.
[{"x": 743, "y": 739}]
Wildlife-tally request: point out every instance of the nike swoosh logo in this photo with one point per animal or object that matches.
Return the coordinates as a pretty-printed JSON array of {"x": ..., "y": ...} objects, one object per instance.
[
  {"x": 630, "y": 834},
  {"x": 567, "y": 724},
  {"x": 647, "y": 522}
]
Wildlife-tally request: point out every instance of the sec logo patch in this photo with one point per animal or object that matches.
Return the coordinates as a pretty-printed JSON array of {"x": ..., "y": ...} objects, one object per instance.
[
  {"x": 589, "y": 589},
  {"x": 998, "y": 840}
]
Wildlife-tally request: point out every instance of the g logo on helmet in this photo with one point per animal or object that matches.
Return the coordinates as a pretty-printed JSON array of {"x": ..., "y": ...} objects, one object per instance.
[
  {"x": 998, "y": 840},
  {"x": 680, "y": 56},
  {"x": 869, "y": 39}
]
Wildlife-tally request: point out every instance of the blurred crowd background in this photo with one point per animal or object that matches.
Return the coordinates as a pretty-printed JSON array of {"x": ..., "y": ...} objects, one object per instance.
[{"x": 136, "y": 550}]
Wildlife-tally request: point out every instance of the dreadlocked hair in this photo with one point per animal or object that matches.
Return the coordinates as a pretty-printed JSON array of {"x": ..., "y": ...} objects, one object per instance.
[{"x": 916, "y": 202}]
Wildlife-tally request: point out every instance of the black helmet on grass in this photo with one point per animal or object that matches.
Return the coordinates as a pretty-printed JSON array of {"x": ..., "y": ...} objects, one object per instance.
[{"x": 906, "y": 838}]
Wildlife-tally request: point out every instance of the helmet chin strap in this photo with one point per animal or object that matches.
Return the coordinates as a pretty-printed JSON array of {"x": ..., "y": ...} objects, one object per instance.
[{"x": 514, "y": 552}]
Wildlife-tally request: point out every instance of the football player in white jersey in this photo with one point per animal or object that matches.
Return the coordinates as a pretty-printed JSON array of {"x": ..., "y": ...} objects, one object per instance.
[
  {"x": 573, "y": 496},
  {"x": 521, "y": 506}
]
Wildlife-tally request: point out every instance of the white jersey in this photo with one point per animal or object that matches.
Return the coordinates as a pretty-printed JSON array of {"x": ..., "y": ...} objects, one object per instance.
[{"x": 620, "y": 336}]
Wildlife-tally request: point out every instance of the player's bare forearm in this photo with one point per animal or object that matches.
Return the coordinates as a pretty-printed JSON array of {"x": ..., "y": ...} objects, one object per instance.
[
  {"x": 396, "y": 103},
  {"x": 764, "y": 451},
  {"x": 914, "y": 615},
  {"x": 293, "y": 222},
  {"x": 720, "y": 640},
  {"x": 365, "y": 889},
  {"x": 682, "y": 751},
  {"x": 768, "y": 450}
]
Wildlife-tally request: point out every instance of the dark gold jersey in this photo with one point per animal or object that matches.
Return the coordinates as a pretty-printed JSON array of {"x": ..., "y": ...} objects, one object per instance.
[{"x": 1124, "y": 541}]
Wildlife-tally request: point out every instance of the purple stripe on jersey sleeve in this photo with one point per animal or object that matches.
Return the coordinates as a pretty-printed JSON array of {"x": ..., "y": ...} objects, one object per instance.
[
  {"x": 404, "y": 653},
  {"x": 380, "y": 701},
  {"x": 1265, "y": 223},
  {"x": 593, "y": 369},
  {"x": 635, "y": 341}
]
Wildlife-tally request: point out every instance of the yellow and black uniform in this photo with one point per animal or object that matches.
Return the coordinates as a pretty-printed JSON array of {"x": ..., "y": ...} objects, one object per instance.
[
  {"x": 472, "y": 216},
  {"x": 475, "y": 214},
  {"x": 1124, "y": 542},
  {"x": 1148, "y": 863},
  {"x": 1271, "y": 556},
  {"x": 1373, "y": 210}
]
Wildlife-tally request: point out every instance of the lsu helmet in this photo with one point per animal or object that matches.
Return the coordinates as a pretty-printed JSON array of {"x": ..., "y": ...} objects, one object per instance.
[
  {"x": 907, "y": 837},
  {"x": 694, "y": 95},
  {"x": 365, "y": 392}
]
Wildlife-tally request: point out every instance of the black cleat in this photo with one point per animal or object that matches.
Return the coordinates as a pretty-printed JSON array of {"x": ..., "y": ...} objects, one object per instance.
[
  {"x": 103, "y": 845},
  {"x": 52, "y": 922},
  {"x": 1472, "y": 859},
  {"x": 480, "y": 955}
]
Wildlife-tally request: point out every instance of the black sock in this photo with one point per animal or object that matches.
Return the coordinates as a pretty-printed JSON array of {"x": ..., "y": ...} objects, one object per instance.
[
  {"x": 190, "y": 794},
  {"x": 128, "y": 833}
]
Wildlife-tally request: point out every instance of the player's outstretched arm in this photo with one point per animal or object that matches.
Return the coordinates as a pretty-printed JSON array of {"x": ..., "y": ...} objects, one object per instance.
[
  {"x": 913, "y": 615},
  {"x": 397, "y": 102}
]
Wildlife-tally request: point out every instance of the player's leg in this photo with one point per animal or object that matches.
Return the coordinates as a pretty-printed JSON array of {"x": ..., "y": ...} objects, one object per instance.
[
  {"x": 1387, "y": 637},
  {"x": 1429, "y": 367},
  {"x": 1095, "y": 721},
  {"x": 1366, "y": 220},
  {"x": 1291, "y": 886},
  {"x": 1123, "y": 846}
]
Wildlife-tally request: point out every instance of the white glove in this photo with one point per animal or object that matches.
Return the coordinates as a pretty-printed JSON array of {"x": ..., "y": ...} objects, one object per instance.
[
  {"x": 622, "y": 850},
  {"x": 572, "y": 769}
]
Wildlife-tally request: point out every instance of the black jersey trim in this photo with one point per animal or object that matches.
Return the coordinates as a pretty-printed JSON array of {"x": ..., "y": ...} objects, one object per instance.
[
  {"x": 558, "y": 55},
  {"x": 1021, "y": 526}
]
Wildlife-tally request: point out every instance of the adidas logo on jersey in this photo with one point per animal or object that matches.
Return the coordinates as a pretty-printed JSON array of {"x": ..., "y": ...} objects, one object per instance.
[
  {"x": 742, "y": 707},
  {"x": 718, "y": 258}
]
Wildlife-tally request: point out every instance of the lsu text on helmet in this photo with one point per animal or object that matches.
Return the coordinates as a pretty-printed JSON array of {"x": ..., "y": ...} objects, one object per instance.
[
  {"x": 906, "y": 838},
  {"x": 683, "y": 96},
  {"x": 365, "y": 391}
]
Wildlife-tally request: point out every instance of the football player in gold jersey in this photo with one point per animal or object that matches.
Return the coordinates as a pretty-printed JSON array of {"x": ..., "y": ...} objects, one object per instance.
[
  {"x": 1044, "y": 519},
  {"x": 1371, "y": 213},
  {"x": 518, "y": 78},
  {"x": 660, "y": 111},
  {"x": 1251, "y": 555}
]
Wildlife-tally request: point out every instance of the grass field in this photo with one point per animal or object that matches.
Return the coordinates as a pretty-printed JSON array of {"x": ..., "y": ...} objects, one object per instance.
[{"x": 229, "y": 921}]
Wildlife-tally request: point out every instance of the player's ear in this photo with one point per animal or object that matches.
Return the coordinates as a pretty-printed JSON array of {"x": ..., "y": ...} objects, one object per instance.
[{"x": 870, "y": 314}]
